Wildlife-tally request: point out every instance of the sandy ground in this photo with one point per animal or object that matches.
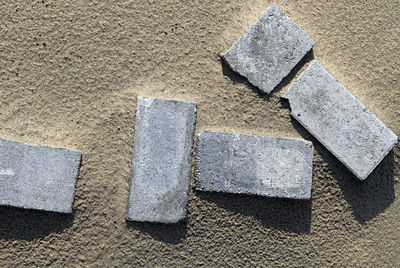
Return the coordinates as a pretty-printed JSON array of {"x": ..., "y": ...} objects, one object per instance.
[{"x": 69, "y": 77}]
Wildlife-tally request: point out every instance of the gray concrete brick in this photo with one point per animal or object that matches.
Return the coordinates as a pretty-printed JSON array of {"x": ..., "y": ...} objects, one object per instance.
[
  {"x": 37, "y": 177},
  {"x": 161, "y": 163},
  {"x": 238, "y": 163},
  {"x": 339, "y": 121},
  {"x": 269, "y": 50}
]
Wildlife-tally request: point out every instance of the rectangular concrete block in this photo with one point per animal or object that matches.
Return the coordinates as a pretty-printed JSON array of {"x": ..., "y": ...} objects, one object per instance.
[
  {"x": 238, "y": 163},
  {"x": 37, "y": 177},
  {"x": 161, "y": 163},
  {"x": 269, "y": 50},
  {"x": 339, "y": 121}
]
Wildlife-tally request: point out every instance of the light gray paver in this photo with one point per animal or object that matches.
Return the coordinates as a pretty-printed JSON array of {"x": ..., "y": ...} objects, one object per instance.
[
  {"x": 37, "y": 177},
  {"x": 161, "y": 163},
  {"x": 339, "y": 121},
  {"x": 238, "y": 163},
  {"x": 269, "y": 50}
]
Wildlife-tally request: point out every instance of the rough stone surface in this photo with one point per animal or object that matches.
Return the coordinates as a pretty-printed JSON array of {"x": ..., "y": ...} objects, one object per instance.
[
  {"x": 339, "y": 121},
  {"x": 37, "y": 177},
  {"x": 238, "y": 163},
  {"x": 161, "y": 161},
  {"x": 269, "y": 50}
]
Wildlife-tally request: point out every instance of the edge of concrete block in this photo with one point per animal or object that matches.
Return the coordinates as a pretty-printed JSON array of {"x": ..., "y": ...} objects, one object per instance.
[
  {"x": 182, "y": 217},
  {"x": 223, "y": 55},
  {"x": 286, "y": 96},
  {"x": 77, "y": 154},
  {"x": 196, "y": 185}
]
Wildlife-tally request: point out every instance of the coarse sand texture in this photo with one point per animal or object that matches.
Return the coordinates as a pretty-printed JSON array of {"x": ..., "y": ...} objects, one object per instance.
[{"x": 72, "y": 71}]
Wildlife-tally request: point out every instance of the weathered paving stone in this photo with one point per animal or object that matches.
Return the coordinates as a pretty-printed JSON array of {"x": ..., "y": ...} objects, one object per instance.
[
  {"x": 238, "y": 163},
  {"x": 37, "y": 177},
  {"x": 161, "y": 163},
  {"x": 339, "y": 121},
  {"x": 269, "y": 50}
]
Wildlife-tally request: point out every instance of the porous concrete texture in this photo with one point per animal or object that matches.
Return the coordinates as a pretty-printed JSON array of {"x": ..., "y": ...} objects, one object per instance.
[
  {"x": 70, "y": 74},
  {"x": 248, "y": 164},
  {"x": 339, "y": 121},
  {"x": 269, "y": 50},
  {"x": 37, "y": 177},
  {"x": 161, "y": 162}
]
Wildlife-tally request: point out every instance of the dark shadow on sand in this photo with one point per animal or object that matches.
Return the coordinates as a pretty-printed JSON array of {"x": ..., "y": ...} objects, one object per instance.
[
  {"x": 282, "y": 214},
  {"x": 237, "y": 78},
  {"x": 29, "y": 224},
  {"x": 173, "y": 233},
  {"x": 367, "y": 198}
]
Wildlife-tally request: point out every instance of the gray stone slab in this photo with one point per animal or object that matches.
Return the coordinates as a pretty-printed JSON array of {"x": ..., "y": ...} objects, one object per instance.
[
  {"x": 238, "y": 163},
  {"x": 269, "y": 50},
  {"x": 339, "y": 121},
  {"x": 161, "y": 163},
  {"x": 38, "y": 177}
]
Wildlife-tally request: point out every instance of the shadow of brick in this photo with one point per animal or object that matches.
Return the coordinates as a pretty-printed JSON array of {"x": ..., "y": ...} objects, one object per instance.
[
  {"x": 173, "y": 233},
  {"x": 283, "y": 214},
  {"x": 29, "y": 224}
]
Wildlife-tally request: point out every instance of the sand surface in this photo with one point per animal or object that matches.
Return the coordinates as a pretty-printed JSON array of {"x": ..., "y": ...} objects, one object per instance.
[{"x": 69, "y": 77}]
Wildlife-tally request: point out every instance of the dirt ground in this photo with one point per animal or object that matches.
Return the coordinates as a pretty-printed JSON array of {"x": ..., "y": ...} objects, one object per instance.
[{"x": 70, "y": 72}]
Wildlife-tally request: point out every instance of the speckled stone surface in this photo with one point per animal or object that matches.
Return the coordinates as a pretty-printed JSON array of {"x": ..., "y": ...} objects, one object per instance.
[
  {"x": 161, "y": 163},
  {"x": 37, "y": 177},
  {"x": 339, "y": 121},
  {"x": 269, "y": 50},
  {"x": 248, "y": 164}
]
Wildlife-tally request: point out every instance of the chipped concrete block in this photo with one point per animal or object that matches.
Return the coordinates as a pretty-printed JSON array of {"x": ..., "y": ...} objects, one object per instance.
[
  {"x": 339, "y": 121},
  {"x": 238, "y": 163},
  {"x": 269, "y": 50},
  {"x": 161, "y": 163},
  {"x": 37, "y": 177}
]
